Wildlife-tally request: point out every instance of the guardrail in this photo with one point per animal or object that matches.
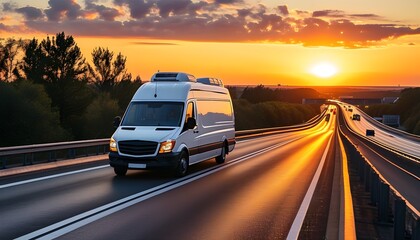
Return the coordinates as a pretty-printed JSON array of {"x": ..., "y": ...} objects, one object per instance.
[
  {"x": 384, "y": 127},
  {"x": 404, "y": 217},
  {"x": 385, "y": 146},
  {"x": 51, "y": 152}
]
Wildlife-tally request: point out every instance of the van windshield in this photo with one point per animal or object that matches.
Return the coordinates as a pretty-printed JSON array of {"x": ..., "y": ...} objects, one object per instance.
[{"x": 154, "y": 114}]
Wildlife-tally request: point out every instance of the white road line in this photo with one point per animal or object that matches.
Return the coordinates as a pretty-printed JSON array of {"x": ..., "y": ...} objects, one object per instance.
[
  {"x": 65, "y": 174},
  {"x": 300, "y": 216},
  {"x": 70, "y": 224},
  {"x": 51, "y": 176}
]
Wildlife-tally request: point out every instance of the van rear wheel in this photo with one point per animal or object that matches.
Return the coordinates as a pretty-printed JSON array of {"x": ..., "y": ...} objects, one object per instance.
[
  {"x": 120, "y": 171},
  {"x": 182, "y": 167},
  {"x": 222, "y": 157}
]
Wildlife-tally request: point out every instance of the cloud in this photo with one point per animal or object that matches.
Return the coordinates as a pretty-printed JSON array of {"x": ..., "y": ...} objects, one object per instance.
[
  {"x": 138, "y": 8},
  {"x": 283, "y": 10},
  {"x": 371, "y": 16},
  {"x": 61, "y": 9},
  {"x": 228, "y": 1},
  {"x": 173, "y": 7},
  {"x": 104, "y": 12},
  {"x": 342, "y": 14},
  {"x": 30, "y": 13},
  {"x": 329, "y": 13},
  {"x": 9, "y": 6},
  {"x": 209, "y": 21},
  {"x": 155, "y": 43}
]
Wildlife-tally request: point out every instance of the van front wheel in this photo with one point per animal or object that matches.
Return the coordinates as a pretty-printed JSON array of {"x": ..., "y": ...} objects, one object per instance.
[
  {"x": 222, "y": 157},
  {"x": 181, "y": 169},
  {"x": 120, "y": 171}
]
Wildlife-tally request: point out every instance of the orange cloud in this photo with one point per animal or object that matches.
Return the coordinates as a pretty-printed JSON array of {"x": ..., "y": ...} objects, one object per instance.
[{"x": 210, "y": 21}]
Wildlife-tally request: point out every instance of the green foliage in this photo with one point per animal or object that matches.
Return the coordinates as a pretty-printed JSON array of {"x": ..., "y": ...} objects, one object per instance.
[
  {"x": 98, "y": 117},
  {"x": 264, "y": 94},
  {"x": 9, "y": 59},
  {"x": 269, "y": 114},
  {"x": 124, "y": 90},
  {"x": 34, "y": 65},
  {"x": 58, "y": 64},
  {"x": 106, "y": 71},
  {"x": 28, "y": 117}
]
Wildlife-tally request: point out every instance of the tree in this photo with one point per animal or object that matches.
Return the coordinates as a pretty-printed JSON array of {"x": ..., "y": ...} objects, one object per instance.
[
  {"x": 124, "y": 90},
  {"x": 9, "y": 59},
  {"x": 98, "y": 117},
  {"x": 28, "y": 117},
  {"x": 107, "y": 72},
  {"x": 34, "y": 64},
  {"x": 59, "y": 65},
  {"x": 67, "y": 63}
]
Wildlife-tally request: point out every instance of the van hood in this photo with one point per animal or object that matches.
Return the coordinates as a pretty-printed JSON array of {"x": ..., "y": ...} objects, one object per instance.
[{"x": 154, "y": 134}]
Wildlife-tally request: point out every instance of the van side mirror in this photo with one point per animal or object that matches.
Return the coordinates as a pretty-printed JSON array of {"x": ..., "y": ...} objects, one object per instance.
[
  {"x": 191, "y": 123},
  {"x": 117, "y": 121}
]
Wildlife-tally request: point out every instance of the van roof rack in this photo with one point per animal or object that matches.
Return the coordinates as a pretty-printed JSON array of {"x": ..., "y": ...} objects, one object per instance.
[
  {"x": 172, "y": 77},
  {"x": 210, "y": 81}
]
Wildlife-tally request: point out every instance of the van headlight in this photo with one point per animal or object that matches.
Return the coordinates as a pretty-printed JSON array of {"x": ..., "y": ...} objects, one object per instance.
[
  {"x": 113, "y": 145},
  {"x": 166, "y": 146}
]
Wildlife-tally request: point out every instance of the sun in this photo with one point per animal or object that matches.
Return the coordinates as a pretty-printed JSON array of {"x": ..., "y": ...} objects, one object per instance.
[{"x": 324, "y": 70}]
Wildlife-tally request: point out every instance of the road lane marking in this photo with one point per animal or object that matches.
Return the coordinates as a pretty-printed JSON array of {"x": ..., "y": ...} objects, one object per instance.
[
  {"x": 349, "y": 222},
  {"x": 70, "y": 224},
  {"x": 52, "y": 176},
  {"x": 70, "y": 173},
  {"x": 300, "y": 216}
]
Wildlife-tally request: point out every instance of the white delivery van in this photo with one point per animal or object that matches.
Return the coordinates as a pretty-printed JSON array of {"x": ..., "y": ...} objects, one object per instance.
[{"x": 173, "y": 121}]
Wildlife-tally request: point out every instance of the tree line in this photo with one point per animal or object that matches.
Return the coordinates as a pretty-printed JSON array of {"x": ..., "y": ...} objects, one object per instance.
[
  {"x": 50, "y": 93},
  {"x": 264, "y": 107}
]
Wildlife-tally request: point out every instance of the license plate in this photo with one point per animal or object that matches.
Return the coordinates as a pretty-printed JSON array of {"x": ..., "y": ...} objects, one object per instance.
[{"x": 136, "y": 165}]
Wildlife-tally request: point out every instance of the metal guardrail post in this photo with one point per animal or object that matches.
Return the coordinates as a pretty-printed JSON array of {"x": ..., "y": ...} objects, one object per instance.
[
  {"x": 367, "y": 177},
  {"x": 72, "y": 153},
  {"x": 362, "y": 170},
  {"x": 3, "y": 162},
  {"x": 416, "y": 230},
  {"x": 52, "y": 156},
  {"x": 383, "y": 203},
  {"x": 399, "y": 218},
  {"x": 374, "y": 191}
]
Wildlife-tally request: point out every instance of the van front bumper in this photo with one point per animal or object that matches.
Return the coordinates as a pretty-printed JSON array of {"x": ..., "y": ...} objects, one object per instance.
[{"x": 164, "y": 160}]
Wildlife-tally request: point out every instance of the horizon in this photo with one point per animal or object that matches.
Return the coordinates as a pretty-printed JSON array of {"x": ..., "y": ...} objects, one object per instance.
[{"x": 292, "y": 43}]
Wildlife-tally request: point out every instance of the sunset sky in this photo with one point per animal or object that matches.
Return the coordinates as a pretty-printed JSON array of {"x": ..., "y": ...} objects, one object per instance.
[{"x": 294, "y": 42}]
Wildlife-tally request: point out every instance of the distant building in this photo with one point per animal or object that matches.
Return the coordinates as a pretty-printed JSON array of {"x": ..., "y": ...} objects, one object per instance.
[
  {"x": 391, "y": 120},
  {"x": 389, "y": 100},
  {"x": 361, "y": 101},
  {"x": 314, "y": 100}
]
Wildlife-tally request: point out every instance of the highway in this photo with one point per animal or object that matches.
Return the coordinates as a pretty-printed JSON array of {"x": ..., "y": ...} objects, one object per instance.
[
  {"x": 394, "y": 141},
  {"x": 285, "y": 185},
  {"x": 400, "y": 171},
  {"x": 270, "y": 187}
]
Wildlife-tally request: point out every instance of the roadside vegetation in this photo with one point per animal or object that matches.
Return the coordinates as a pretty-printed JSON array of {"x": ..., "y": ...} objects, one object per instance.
[
  {"x": 50, "y": 93},
  {"x": 263, "y": 107},
  {"x": 407, "y": 106}
]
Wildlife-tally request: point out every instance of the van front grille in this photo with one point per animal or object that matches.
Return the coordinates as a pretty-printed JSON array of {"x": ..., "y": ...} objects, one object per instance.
[{"x": 136, "y": 147}]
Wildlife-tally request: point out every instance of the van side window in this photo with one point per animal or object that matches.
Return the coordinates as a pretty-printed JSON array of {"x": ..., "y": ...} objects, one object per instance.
[{"x": 190, "y": 113}]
